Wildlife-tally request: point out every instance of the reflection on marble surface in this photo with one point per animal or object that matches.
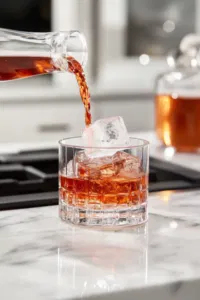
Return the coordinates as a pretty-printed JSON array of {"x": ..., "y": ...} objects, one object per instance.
[
  {"x": 181, "y": 206},
  {"x": 112, "y": 260},
  {"x": 42, "y": 258}
]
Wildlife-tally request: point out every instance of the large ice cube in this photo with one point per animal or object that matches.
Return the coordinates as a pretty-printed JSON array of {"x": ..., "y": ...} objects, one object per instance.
[
  {"x": 127, "y": 162},
  {"x": 110, "y": 132},
  {"x": 120, "y": 164},
  {"x": 94, "y": 167}
]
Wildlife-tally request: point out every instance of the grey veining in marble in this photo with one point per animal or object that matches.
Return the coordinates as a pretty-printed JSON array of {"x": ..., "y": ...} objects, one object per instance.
[{"x": 42, "y": 258}]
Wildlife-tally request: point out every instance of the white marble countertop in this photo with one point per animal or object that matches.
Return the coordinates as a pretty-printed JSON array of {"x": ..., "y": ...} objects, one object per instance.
[{"x": 42, "y": 258}]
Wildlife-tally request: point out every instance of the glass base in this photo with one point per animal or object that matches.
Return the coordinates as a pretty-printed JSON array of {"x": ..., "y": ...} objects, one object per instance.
[{"x": 109, "y": 219}]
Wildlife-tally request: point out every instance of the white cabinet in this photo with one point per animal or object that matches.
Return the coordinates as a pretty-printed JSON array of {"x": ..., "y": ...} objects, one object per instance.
[
  {"x": 46, "y": 120},
  {"x": 40, "y": 121}
]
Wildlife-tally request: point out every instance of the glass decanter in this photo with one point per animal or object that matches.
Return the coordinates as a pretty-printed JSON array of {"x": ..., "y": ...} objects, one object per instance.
[
  {"x": 25, "y": 54},
  {"x": 177, "y": 99}
]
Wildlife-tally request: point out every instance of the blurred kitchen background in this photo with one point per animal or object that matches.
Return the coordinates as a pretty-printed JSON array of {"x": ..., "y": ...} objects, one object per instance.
[{"x": 128, "y": 41}]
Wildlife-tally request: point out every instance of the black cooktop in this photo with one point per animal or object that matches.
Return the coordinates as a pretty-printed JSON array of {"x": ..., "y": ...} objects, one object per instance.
[{"x": 30, "y": 179}]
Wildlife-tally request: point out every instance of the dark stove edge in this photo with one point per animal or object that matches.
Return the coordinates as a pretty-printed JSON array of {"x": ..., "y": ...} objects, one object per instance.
[{"x": 28, "y": 201}]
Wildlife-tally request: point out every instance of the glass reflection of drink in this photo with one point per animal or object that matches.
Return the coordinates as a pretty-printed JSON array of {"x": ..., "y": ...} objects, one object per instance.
[
  {"x": 117, "y": 261},
  {"x": 110, "y": 190}
]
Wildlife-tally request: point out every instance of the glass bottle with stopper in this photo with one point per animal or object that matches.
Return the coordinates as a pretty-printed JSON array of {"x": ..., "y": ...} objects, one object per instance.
[{"x": 177, "y": 101}]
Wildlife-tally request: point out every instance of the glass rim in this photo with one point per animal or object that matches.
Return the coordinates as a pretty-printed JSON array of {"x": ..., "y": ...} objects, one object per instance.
[{"x": 63, "y": 142}]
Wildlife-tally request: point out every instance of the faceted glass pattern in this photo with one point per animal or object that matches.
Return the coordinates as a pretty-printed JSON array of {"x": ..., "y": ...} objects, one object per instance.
[{"x": 104, "y": 191}]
